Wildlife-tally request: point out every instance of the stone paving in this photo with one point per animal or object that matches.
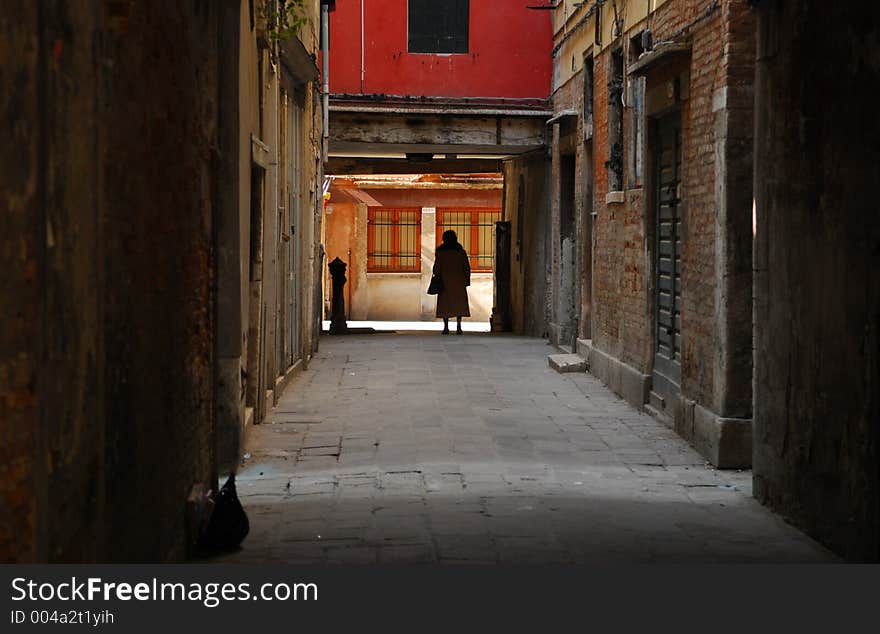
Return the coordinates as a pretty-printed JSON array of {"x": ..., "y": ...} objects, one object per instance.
[{"x": 423, "y": 448}]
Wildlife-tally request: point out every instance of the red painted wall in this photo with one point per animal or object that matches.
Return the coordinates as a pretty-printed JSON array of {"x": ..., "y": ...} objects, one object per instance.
[{"x": 509, "y": 53}]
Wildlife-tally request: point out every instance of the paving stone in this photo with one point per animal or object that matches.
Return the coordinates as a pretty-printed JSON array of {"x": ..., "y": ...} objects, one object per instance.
[{"x": 472, "y": 450}]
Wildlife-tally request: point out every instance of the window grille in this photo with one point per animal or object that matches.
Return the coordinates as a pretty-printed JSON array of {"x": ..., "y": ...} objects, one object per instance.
[
  {"x": 475, "y": 228},
  {"x": 438, "y": 26},
  {"x": 394, "y": 240}
]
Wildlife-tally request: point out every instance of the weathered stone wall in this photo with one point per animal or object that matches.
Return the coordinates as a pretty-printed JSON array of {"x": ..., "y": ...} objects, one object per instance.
[
  {"x": 817, "y": 254},
  {"x": 22, "y": 467},
  {"x": 568, "y": 146},
  {"x": 229, "y": 338},
  {"x": 160, "y": 127},
  {"x": 270, "y": 199},
  {"x": 527, "y": 207},
  {"x": 313, "y": 262},
  {"x": 73, "y": 363},
  {"x": 733, "y": 114},
  {"x": 127, "y": 263}
]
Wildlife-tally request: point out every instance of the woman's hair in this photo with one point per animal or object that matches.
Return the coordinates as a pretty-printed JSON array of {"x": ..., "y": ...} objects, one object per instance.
[{"x": 449, "y": 237}]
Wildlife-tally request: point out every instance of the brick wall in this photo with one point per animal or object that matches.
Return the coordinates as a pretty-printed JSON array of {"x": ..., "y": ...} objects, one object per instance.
[
  {"x": 621, "y": 325},
  {"x": 622, "y": 259},
  {"x": 698, "y": 255}
]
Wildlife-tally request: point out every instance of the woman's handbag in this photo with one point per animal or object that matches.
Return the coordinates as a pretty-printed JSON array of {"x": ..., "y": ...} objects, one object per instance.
[{"x": 436, "y": 285}]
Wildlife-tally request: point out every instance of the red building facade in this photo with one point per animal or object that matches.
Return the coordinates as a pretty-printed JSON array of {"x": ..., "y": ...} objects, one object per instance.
[{"x": 507, "y": 49}]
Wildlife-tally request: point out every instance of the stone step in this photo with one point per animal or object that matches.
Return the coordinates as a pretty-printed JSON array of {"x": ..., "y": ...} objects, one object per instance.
[
  {"x": 657, "y": 401},
  {"x": 583, "y": 347},
  {"x": 567, "y": 363}
]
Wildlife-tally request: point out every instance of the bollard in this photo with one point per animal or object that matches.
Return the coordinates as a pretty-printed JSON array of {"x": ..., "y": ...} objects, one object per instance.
[{"x": 338, "y": 325}]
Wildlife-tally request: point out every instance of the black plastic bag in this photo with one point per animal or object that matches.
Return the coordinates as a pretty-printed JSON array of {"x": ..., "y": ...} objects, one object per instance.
[{"x": 229, "y": 524}]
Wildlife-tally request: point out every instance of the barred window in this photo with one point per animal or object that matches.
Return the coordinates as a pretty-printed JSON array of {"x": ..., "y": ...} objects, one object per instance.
[
  {"x": 438, "y": 26},
  {"x": 475, "y": 227},
  {"x": 394, "y": 240}
]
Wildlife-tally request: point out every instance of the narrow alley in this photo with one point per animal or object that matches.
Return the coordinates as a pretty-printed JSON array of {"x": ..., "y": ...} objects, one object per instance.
[
  {"x": 419, "y": 448},
  {"x": 212, "y": 210}
]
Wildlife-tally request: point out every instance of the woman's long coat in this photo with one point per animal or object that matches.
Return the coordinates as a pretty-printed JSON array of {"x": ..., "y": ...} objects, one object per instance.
[{"x": 451, "y": 265}]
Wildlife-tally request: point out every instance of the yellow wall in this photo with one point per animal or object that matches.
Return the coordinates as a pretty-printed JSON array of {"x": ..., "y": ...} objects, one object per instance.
[{"x": 569, "y": 59}]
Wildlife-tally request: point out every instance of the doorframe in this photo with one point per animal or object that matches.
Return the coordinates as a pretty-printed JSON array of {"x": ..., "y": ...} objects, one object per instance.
[{"x": 652, "y": 200}]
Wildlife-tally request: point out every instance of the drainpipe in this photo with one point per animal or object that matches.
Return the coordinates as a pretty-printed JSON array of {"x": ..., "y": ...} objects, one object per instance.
[{"x": 325, "y": 52}]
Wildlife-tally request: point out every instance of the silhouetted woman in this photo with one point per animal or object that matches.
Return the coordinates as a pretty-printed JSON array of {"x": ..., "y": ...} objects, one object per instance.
[{"x": 452, "y": 267}]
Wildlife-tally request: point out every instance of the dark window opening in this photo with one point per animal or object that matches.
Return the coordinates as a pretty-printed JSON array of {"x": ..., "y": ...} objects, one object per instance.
[
  {"x": 635, "y": 47},
  {"x": 635, "y": 120},
  {"x": 438, "y": 26},
  {"x": 614, "y": 164},
  {"x": 566, "y": 196},
  {"x": 588, "y": 98},
  {"x": 256, "y": 237}
]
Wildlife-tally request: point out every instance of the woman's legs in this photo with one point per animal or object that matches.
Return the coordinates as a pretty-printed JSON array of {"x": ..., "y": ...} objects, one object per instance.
[
  {"x": 446, "y": 325},
  {"x": 458, "y": 328}
]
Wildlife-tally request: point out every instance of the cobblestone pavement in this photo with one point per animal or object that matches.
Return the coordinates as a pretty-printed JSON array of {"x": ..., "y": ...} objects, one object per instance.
[{"x": 423, "y": 448}]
